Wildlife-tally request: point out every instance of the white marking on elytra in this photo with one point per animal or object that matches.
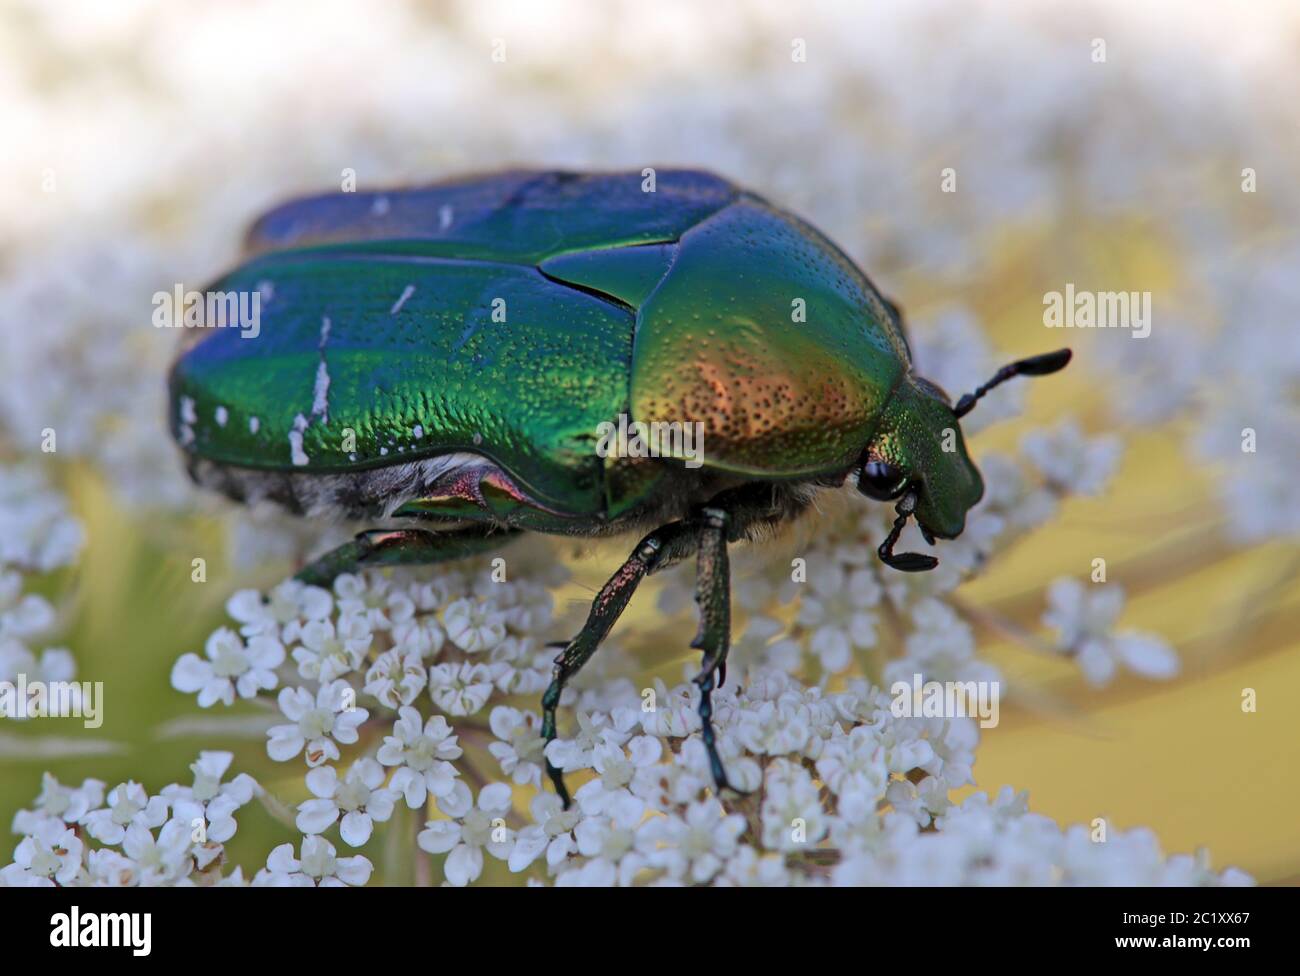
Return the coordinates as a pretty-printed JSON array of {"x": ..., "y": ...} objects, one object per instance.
[
  {"x": 418, "y": 431},
  {"x": 383, "y": 451},
  {"x": 320, "y": 395},
  {"x": 188, "y": 418},
  {"x": 379, "y": 206},
  {"x": 253, "y": 425},
  {"x": 222, "y": 415},
  {"x": 320, "y": 405},
  {"x": 478, "y": 438},
  {"x": 407, "y": 292},
  {"x": 296, "y": 453}
]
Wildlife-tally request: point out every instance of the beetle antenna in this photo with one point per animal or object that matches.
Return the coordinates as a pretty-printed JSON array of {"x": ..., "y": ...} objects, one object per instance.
[
  {"x": 1048, "y": 362},
  {"x": 908, "y": 562}
]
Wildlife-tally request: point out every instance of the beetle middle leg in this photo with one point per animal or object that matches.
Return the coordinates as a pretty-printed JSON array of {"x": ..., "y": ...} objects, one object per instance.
[
  {"x": 706, "y": 533},
  {"x": 713, "y": 596},
  {"x": 656, "y": 551}
]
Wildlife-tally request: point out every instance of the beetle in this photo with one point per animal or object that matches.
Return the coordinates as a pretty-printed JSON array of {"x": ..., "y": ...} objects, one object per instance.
[{"x": 446, "y": 356}]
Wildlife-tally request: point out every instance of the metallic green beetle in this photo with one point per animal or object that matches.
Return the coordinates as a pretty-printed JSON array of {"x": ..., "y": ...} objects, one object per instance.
[{"x": 456, "y": 355}]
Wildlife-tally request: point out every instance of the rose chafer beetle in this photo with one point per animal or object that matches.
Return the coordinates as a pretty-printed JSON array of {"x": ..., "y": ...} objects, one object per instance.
[{"x": 447, "y": 356}]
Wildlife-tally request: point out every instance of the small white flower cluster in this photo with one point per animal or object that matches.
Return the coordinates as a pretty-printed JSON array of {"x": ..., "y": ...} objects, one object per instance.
[
  {"x": 399, "y": 671},
  {"x": 405, "y": 647},
  {"x": 37, "y": 535},
  {"x": 999, "y": 843},
  {"x": 125, "y": 837},
  {"x": 1084, "y": 620},
  {"x": 397, "y": 668},
  {"x": 37, "y": 532},
  {"x": 1225, "y": 369}
]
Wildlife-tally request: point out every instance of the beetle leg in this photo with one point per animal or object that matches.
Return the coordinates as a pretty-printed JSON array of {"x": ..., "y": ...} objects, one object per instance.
[
  {"x": 659, "y": 549},
  {"x": 401, "y": 547},
  {"x": 713, "y": 596},
  {"x": 908, "y": 562}
]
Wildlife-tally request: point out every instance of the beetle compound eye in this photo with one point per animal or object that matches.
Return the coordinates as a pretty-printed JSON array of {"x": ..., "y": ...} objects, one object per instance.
[{"x": 881, "y": 481}]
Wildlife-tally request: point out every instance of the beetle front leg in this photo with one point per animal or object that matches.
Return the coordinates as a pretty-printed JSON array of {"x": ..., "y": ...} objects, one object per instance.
[
  {"x": 713, "y": 596},
  {"x": 659, "y": 549},
  {"x": 401, "y": 547}
]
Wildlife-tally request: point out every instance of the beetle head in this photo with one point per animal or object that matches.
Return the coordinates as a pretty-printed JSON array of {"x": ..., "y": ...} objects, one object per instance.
[
  {"x": 919, "y": 451},
  {"x": 918, "y": 456}
]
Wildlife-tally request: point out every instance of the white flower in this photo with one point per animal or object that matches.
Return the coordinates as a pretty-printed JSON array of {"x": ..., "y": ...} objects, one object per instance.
[
  {"x": 1070, "y": 461},
  {"x": 54, "y": 665},
  {"x": 317, "y": 724},
  {"x": 854, "y": 763},
  {"x": 473, "y": 830},
  {"x": 22, "y": 616},
  {"x": 525, "y": 604},
  {"x": 609, "y": 792},
  {"x": 551, "y": 831},
  {"x": 36, "y": 531},
  {"x": 370, "y": 597},
  {"x": 281, "y": 613},
  {"x": 941, "y": 647},
  {"x": 594, "y": 730},
  {"x": 421, "y": 635},
  {"x": 128, "y": 804},
  {"x": 1084, "y": 617},
  {"x": 750, "y": 868},
  {"x": 758, "y": 646},
  {"x": 520, "y": 752},
  {"x": 790, "y": 724},
  {"x": 396, "y": 677},
  {"x": 108, "y": 868},
  {"x": 792, "y": 814},
  {"x": 666, "y": 786},
  {"x": 358, "y": 798},
  {"x": 159, "y": 860},
  {"x": 232, "y": 666},
  {"x": 328, "y": 653},
  {"x": 60, "y": 802},
  {"x": 837, "y": 609},
  {"x": 615, "y": 841},
  {"x": 596, "y": 873},
  {"x": 52, "y": 852},
  {"x": 474, "y": 626},
  {"x": 421, "y": 753},
  {"x": 460, "y": 689},
  {"x": 921, "y": 801},
  {"x": 694, "y": 846},
  {"x": 319, "y": 867},
  {"x": 210, "y": 800}
]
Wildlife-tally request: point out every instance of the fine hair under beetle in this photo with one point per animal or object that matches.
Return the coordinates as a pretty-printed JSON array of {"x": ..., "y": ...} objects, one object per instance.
[{"x": 447, "y": 356}]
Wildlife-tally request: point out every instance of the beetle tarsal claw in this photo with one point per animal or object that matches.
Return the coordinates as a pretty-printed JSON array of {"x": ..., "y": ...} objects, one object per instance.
[{"x": 912, "y": 562}]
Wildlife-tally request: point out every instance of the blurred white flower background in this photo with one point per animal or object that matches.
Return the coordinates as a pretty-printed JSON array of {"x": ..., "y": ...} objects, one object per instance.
[{"x": 140, "y": 138}]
